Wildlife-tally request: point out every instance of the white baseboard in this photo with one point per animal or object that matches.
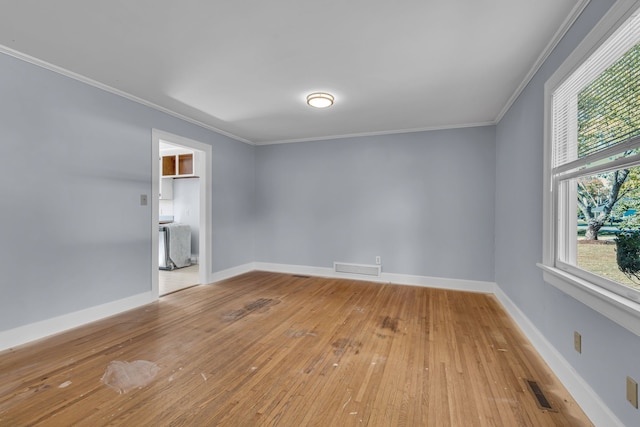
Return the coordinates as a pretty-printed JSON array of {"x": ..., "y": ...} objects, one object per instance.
[
  {"x": 440, "y": 283},
  {"x": 399, "y": 279},
  {"x": 296, "y": 269},
  {"x": 37, "y": 330},
  {"x": 42, "y": 329},
  {"x": 584, "y": 395},
  {"x": 589, "y": 401},
  {"x": 597, "y": 411},
  {"x": 230, "y": 272}
]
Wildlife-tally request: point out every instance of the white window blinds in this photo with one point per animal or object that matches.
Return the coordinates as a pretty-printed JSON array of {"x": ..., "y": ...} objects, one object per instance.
[{"x": 596, "y": 111}]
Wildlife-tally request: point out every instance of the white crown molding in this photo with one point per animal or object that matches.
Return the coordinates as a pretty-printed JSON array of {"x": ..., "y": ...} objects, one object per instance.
[
  {"x": 86, "y": 80},
  {"x": 67, "y": 73},
  {"x": 573, "y": 16},
  {"x": 608, "y": 24},
  {"x": 540, "y": 60},
  {"x": 79, "y": 77},
  {"x": 390, "y": 132}
]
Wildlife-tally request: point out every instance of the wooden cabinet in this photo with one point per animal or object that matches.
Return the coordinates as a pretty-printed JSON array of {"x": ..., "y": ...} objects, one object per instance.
[
  {"x": 168, "y": 165},
  {"x": 178, "y": 165},
  {"x": 175, "y": 164},
  {"x": 185, "y": 164}
]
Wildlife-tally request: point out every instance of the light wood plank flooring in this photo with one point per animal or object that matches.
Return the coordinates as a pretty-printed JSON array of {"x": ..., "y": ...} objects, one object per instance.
[
  {"x": 170, "y": 281},
  {"x": 266, "y": 349}
]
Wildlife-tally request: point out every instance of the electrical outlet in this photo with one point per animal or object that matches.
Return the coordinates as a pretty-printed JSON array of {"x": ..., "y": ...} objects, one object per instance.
[
  {"x": 577, "y": 342},
  {"x": 143, "y": 200},
  {"x": 632, "y": 392},
  {"x": 378, "y": 260}
]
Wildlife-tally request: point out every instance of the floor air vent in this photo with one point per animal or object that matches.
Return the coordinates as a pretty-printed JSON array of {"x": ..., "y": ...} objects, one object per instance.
[
  {"x": 367, "y": 270},
  {"x": 541, "y": 399}
]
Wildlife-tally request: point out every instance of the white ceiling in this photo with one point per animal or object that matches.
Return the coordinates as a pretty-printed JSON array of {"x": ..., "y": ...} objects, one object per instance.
[{"x": 244, "y": 67}]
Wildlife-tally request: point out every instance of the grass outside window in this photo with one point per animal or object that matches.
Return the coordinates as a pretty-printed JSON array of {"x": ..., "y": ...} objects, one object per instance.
[{"x": 599, "y": 257}]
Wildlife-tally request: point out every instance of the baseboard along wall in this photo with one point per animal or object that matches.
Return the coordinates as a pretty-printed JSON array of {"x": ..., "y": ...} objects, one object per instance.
[{"x": 584, "y": 395}]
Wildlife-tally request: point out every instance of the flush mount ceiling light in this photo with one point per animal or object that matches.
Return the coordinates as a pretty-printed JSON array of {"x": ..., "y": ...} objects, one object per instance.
[{"x": 320, "y": 99}]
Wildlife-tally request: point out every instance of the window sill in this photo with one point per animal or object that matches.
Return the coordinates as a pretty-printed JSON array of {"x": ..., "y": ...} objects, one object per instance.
[{"x": 621, "y": 310}]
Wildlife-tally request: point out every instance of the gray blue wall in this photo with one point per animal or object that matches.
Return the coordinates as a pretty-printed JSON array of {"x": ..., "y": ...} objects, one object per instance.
[
  {"x": 610, "y": 352},
  {"x": 461, "y": 204},
  {"x": 75, "y": 160},
  {"x": 424, "y": 202}
]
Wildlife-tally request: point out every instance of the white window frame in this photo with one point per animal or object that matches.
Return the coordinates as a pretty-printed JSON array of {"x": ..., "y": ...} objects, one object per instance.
[{"x": 600, "y": 294}]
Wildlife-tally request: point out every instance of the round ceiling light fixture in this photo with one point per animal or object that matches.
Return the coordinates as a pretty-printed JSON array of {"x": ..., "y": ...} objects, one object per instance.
[{"x": 320, "y": 99}]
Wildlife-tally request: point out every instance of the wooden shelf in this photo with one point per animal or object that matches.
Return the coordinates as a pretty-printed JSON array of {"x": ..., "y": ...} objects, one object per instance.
[
  {"x": 178, "y": 166},
  {"x": 168, "y": 165},
  {"x": 185, "y": 164}
]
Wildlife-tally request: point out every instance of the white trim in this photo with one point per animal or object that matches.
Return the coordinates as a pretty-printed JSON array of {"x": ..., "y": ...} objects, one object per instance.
[
  {"x": 587, "y": 399},
  {"x": 577, "y": 10},
  {"x": 44, "y": 328},
  {"x": 557, "y": 37},
  {"x": 205, "y": 167},
  {"x": 228, "y": 273},
  {"x": 585, "y": 166},
  {"x": 441, "y": 283},
  {"x": 620, "y": 163},
  {"x": 79, "y": 77},
  {"x": 300, "y": 269},
  {"x": 394, "y": 278},
  {"x": 360, "y": 269},
  {"x": 385, "y": 132},
  {"x": 155, "y": 212},
  {"x": 621, "y": 310},
  {"x": 616, "y": 16},
  {"x": 575, "y": 13},
  {"x": 597, "y": 411}
]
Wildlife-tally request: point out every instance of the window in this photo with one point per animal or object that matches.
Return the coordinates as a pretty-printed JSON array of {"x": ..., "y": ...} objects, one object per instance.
[{"x": 592, "y": 171}]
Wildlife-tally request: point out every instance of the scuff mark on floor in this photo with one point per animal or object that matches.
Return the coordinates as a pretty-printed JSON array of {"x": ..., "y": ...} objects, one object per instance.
[
  {"x": 342, "y": 344},
  {"x": 346, "y": 403},
  {"x": 390, "y": 323},
  {"x": 301, "y": 333},
  {"x": 260, "y": 305},
  {"x": 125, "y": 376}
]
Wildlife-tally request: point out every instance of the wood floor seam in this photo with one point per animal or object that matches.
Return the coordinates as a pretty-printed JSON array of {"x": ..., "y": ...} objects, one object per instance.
[{"x": 270, "y": 349}]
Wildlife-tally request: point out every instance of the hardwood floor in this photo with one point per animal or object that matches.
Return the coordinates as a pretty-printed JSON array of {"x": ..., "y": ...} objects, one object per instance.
[{"x": 273, "y": 349}]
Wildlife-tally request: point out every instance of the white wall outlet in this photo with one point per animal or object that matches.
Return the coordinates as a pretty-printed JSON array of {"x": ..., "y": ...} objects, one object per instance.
[
  {"x": 378, "y": 260},
  {"x": 143, "y": 200}
]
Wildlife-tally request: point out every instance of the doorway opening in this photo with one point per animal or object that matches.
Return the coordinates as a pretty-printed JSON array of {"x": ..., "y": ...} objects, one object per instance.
[{"x": 181, "y": 212}]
